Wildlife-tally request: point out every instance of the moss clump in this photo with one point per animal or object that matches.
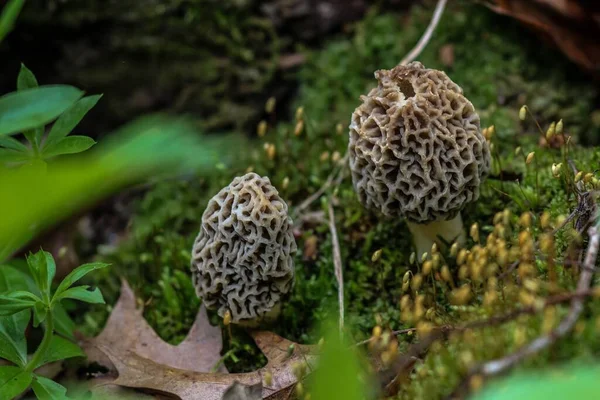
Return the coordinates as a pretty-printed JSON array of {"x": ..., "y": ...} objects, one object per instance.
[{"x": 498, "y": 71}]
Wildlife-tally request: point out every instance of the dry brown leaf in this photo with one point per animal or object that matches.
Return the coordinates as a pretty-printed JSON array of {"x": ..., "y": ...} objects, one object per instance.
[
  {"x": 127, "y": 331},
  {"x": 139, "y": 372},
  {"x": 143, "y": 361}
]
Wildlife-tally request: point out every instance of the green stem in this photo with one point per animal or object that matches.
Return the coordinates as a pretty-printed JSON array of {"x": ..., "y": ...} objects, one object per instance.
[{"x": 43, "y": 347}]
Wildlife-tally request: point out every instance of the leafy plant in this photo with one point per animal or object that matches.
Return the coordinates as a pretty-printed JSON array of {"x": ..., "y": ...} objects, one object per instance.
[
  {"x": 30, "y": 108},
  {"x": 8, "y": 16},
  {"x": 16, "y": 308}
]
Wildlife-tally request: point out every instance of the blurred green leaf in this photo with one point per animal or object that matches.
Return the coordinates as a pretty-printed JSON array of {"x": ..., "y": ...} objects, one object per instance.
[
  {"x": 10, "y": 305},
  {"x": 47, "y": 389},
  {"x": 70, "y": 118},
  {"x": 40, "y": 310},
  {"x": 32, "y": 108},
  {"x": 32, "y": 198},
  {"x": 13, "y": 382},
  {"x": 60, "y": 349},
  {"x": 10, "y": 156},
  {"x": 63, "y": 324},
  {"x": 12, "y": 143},
  {"x": 26, "y": 79},
  {"x": 9, "y": 15},
  {"x": 68, "y": 145},
  {"x": 339, "y": 374},
  {"x": 575, "y": 382}
]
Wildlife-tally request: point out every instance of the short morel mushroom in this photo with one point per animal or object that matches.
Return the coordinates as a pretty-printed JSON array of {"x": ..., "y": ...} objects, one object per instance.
[
  {"x": 242, "y": 259},
  {"x": 416, "y": 151}
]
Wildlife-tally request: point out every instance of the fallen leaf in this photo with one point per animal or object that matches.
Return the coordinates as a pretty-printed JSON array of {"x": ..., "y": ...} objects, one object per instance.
[
  {"x": 237, "y": 391},
  {"x": 127, "y": 331},
  {"x": 136, "y": 371}
]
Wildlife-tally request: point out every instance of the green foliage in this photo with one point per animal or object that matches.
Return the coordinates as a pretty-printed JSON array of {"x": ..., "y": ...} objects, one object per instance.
[
  {"x": 30, "y": 108},
  {"x": 15, "y": 312},
  {"x": 569, "y": 381},
  {"x": 9, "y": 15},
  {"x": 340, "y": 373}
]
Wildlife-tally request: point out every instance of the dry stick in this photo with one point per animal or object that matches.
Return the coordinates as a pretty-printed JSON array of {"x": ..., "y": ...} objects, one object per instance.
[
  {"x": 437, "y": 14},
  {"x": 500, "y": 365},
  {"x": 337, "y": 263},
  {"x": 330, "y": 180}
]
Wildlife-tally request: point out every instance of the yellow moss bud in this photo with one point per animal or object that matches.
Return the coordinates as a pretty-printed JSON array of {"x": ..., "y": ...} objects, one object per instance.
[
  {"x": 412, "y": 258},
  {"x": 587, "y": 178},
  {"x": 545, "y": 220},
  {"x": 261, "y": 129},
  {"x": 474, "y": 232},
  {"x": 506, "y": 214},
  {"x": 299, "y": 389},
  {"x": 416, "y": 282},
  {"x": 377, "y": 331},
  {"x": 406, "y": 277},
  {"x": 578, "y": 176},
  {"x": 556, "y": 169},
  {"x": 405, "y": 302},
  {"x": 523, "y": 113},
  {"x": 525, "y": 220},
  {"x": 424, "y": 256},
  {"x": 460, "y": 296},
  {"x": 324, "y": 156},
  {"x": 550, "y": 132},
  {"x": 445, "y": 273},
  {"x": 559, "y": 127},
  {"x": 339, "y": 128},
  {"x": 476, "y": 382},
  {"x": 335, "y": 157},
  {"x": 454, "y": 249},
  {"x": 427, "y": 267},
  {"x": 270, "y": 105},
  {"x": 491, "y": 131},
  {"x": 270, "y": 149},
  {"x": 530, "y": 157},
  {"x": 520, "y": 336},
  {"x": 376, "y": 255},
  {"x": 268, "y": 378},
  {"x": 299, "y": 128},
  {"x": 285, "y": 183},
  {"x": 434, "y": 248},
  {"x": 462, "y": 256},
  {"x": 299, "y": 113},
  {"x": 227, "y": 318},
  {"x": 518, "y": 151}
]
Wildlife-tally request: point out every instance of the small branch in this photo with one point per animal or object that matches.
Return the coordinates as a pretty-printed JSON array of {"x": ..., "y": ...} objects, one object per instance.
[
  {"x": 416, "y": 51},
  {"x": 331, "y": 179},
  {"x": 337, "y": 263}
]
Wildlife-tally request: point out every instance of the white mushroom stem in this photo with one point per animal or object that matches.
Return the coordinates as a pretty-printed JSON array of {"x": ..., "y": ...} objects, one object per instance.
[{"x": 425, "y": 235}]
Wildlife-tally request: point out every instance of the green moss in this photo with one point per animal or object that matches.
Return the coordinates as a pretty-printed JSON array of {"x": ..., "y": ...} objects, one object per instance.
[{"x": 498, "y": 71}]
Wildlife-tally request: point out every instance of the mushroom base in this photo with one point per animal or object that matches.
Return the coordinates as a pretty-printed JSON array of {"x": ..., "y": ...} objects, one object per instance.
[{"x": 424, "y": 235}]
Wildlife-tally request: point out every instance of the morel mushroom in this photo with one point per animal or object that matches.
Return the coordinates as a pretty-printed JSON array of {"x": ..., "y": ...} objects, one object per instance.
[
  {"x": 242, "y": 258},
  {"x": 416, "y": 151}
]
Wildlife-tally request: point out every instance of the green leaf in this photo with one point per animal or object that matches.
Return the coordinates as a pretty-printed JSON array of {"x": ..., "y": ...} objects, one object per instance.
[
  {"x": 60, "y": 349},
  {"x": 13, "y": 344},
  {"x": 12, "y": 156},
  {"x": 77, "y": 274},
  {"x": 13, "y": 382},
  {"x": 63, "y": 324},
  {"x": 68, "y": 145},
  {"x": 32, "y": 108},
  {"x": 70, "y": 118},
  {"x": 47, "y": 389},
  {"x": 26, "y": 79},
  {"x": 9, "y": 15},
  {"x": 39, "y": 313},
  {"x": 82, "y": 294},
  {"x": 151, "y": 147},
  {"x": 567, "y": 382},
  {"x": 42, "y": 268},
  {"x": 10, "y": 305},
  {"x": 12, "y": 143},
  {"x": 338, "y": 369}
]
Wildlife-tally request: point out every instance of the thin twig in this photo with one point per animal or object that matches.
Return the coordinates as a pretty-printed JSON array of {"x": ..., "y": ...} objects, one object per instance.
[
  {"x": 437, "y": 14},
  {"x": 328, "y": 183},
  {"x": 337, "y": 263}
]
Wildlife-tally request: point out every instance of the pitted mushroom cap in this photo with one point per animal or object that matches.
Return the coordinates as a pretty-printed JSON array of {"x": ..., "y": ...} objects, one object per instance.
[
  {"x": 416, "y": 148},
  {"x": 242, "y": 258}
]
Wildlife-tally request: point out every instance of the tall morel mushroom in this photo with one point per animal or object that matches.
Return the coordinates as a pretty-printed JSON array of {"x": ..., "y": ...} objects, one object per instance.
[
  {"x": 416, "y": 151},
  {"x": 242, "y": 258}
]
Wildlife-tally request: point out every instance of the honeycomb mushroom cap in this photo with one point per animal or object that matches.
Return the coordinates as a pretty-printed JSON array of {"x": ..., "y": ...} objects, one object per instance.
[
  {"x": 242, "y": 258},
  {"x": 416, "y": 148}
]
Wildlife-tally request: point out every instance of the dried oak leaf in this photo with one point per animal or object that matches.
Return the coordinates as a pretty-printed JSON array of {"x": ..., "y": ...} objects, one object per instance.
[
  {"x": 139, "y": 372},
  {"x": 127, "y": 331}
]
